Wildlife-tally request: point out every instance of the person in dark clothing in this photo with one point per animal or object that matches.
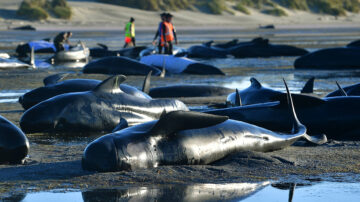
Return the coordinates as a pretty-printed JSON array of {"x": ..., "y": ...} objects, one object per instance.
[
  {"x": 159, "y": 32},
  {"x": 61, "y": 39}
]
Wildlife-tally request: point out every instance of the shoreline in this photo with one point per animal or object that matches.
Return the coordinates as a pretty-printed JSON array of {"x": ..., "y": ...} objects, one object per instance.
[
  {"x": 74, "y": 27},
  {"x": 91, "y": 15}
]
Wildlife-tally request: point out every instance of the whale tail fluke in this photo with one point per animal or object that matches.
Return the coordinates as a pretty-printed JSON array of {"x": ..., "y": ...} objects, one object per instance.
[
  {"x": 316, "y": 139},
  {"x": 146, "y": 84},
  {"x": 309, "y": 86},
  {"x": 342, "y": 91}
]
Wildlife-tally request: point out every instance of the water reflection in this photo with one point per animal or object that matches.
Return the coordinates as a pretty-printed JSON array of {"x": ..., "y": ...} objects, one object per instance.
[
  {"x": 246, "y": 192},
  {"x": 199, "y": 192}
]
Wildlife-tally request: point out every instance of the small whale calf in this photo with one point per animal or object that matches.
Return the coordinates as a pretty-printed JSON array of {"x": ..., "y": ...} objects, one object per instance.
[
  {"x": 100, "y": 109},
  {"x": 14, "y": 146},
  {"x": 183, "y": 138}
]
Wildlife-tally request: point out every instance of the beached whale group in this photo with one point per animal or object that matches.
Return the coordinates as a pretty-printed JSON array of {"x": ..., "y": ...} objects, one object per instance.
[
  {"x": 149, "y": 127},
  {"x": 140, "y": 60},
  {"x": 148, "y": 133}
]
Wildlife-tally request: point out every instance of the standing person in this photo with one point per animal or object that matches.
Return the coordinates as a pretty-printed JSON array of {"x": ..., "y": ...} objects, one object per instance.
[
  {"x": 130, "y": 33},
  {"x": 159, "y": 33},
  {"x": 169, "y": 34},
  {"x": 61, "y": 39}
]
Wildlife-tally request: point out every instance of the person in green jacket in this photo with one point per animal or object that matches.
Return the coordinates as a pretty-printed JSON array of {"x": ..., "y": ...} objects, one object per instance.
[{"x": 130, "y": 33}]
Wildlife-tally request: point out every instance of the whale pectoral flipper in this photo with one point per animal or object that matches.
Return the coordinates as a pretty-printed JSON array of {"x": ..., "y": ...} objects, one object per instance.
[
  {"x": 238, "y": 99},
  {"x": 53, "y": 79},
  {"x": 110, "y": 85},
  {"x": 146, "y": 84},
  {"x": 297, "y": 126},
  {"x": 184, "y": 120},
  {"x": 309, "y": 86},
  {"x": 342, "y": 91}
]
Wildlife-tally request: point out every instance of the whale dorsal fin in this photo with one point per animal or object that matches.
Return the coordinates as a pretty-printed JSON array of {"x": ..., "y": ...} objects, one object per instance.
[
  {"x": 53, "y": 79},
  {"x": 175, "y": 121},
  {"x": 208, "y": 44},
  {"x": 123, "y": 124},
  {"x": 255, "y": 83},
  {"x": 105, "y": 47},
  {"x": 146, "y": 84},
  {"x": 110, "y": 85},
  {"x": 238, "y": 98},
  {"x": 342, "y": 91},
  {"x": 309, "y": 86}
]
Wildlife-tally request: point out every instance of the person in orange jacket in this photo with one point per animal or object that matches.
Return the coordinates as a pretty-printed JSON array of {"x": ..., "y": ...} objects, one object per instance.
[{"x": 168, "y": 35}]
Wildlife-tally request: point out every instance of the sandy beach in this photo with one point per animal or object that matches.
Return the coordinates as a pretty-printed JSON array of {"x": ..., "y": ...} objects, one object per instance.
[{"x": 91, "y": 15}]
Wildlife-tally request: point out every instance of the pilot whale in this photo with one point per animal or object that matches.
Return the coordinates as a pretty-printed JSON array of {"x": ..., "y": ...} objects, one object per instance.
[
  {"x": 257, "y": 93},
  {"x": 178, "y": 65},
  {"x": 119, "y": 65},
  {"x": 181, "y": 137},
  {"x": 14, "y": 146},
  {"x": 54, "y": 86},
  {"x": 100, "y": 109}
]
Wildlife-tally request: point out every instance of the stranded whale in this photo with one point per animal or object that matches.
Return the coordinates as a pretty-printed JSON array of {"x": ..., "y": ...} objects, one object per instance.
[
  {"x": 100, "y": 109},
  {"x": 14, "y": 146},
  {"x": 53, "y": 86},
  {"x": 179, "y": 138}
]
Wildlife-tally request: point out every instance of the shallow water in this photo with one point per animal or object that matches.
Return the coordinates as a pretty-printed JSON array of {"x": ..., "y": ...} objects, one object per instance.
[{"x": 247, "y": 192}]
